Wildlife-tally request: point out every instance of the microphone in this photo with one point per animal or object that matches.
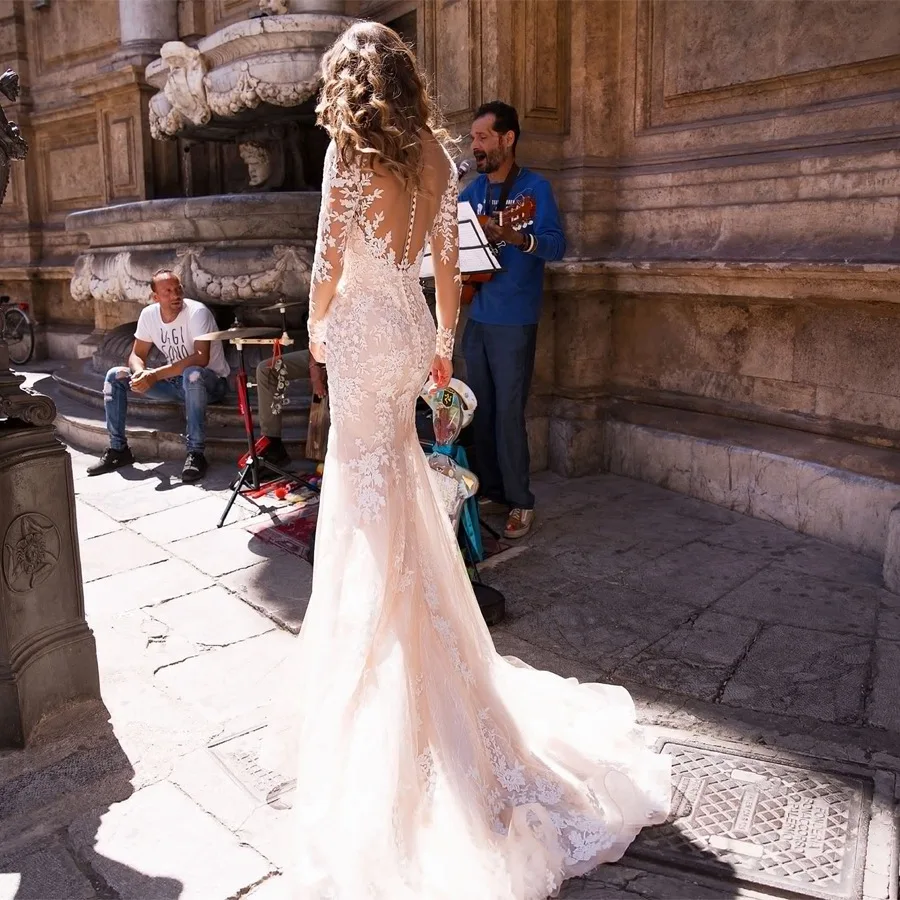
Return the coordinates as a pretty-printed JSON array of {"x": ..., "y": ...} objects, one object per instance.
[{"x": 464, "y": 168}]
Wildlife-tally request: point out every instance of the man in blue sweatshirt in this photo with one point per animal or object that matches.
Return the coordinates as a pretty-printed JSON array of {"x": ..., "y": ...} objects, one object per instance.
[{"x": 501, "y": 333}]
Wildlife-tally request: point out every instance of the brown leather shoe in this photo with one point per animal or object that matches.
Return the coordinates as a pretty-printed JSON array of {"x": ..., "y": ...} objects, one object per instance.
[{"x": 519, "y": 523}]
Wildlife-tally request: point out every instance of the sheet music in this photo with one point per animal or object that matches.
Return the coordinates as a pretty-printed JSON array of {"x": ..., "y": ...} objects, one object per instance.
[{"x": 475, "y": 253}]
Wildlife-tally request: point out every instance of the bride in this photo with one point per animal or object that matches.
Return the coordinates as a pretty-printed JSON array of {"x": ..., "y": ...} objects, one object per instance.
[{"x": 429, "y": 767}]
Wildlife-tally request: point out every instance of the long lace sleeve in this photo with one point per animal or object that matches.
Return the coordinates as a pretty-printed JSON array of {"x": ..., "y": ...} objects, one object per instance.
[
  {"x": 445, "y": 253},
  {"x": 340, "y": 194}
]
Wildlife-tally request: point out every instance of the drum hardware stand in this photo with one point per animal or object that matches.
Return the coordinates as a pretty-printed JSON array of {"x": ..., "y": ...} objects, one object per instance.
[{"x": 249, "y": 474}]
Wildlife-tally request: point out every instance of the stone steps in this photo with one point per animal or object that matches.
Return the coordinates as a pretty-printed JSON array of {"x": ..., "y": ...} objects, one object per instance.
[
  {"x": 837, "y": 490},
  {"x": 81, "y": 383},
  {"x": 155, "y": 430}
]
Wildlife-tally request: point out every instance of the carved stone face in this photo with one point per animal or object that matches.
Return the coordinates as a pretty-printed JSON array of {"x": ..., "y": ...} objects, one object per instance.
[
  {"x": 256, "y": 158},
  {"x": 273, "y": 7}
]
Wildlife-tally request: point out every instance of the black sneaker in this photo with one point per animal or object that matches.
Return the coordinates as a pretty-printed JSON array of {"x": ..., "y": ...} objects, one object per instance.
[
  {"x": 111, "y": 460},
  {"x": 194, "y": 468}
]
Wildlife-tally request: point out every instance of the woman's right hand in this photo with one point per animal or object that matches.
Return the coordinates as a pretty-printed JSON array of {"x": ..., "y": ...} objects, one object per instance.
[
  {"x": 317, "y": 352},
  {"x": 441, "y": 371}
]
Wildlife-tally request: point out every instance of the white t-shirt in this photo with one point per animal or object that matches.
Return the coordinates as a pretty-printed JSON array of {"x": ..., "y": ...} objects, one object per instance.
[{"x": 175, "y": 340}]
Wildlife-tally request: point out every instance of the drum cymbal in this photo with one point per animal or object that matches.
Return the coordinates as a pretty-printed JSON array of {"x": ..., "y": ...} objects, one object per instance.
[
  {"x": 286, "y": 305},
  {"x": 242, "y": 333}
]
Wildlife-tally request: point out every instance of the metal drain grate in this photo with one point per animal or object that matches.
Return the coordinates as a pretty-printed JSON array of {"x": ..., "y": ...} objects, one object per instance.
[{"x": 745, "y": 817}]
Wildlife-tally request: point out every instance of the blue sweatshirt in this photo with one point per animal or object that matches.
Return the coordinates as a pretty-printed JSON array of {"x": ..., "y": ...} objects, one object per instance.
[{"x": 513, "y": 296}]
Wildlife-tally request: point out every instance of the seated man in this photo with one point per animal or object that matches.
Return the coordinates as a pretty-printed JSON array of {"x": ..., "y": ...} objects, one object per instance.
[
  {"x": 196, "y": 373},
  {"x": 294, "y": 365}
]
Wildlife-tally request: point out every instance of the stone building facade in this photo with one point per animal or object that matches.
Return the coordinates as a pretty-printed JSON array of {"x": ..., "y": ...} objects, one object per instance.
[{"x": 726, "y": 321}]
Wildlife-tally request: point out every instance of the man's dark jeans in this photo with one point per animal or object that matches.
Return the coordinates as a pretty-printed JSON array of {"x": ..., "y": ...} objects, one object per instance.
[{"x": 499, "y": 366}]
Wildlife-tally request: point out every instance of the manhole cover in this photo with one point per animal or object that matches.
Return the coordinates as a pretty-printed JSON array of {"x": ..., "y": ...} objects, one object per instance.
[
  {"x": 745, "y": 817},
  {"x": 239, "y": 755}
]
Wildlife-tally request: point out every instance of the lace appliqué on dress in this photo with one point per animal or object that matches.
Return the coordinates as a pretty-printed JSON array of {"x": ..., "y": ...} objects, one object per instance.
[
  {"x": 582, "y": 837},
  {"x": 341, "y": 191},
  {"x": 444, "y": 343}
]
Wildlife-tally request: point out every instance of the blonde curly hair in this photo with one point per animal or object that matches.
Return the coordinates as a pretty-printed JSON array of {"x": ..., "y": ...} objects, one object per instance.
[{"x": 375, "y": 103}]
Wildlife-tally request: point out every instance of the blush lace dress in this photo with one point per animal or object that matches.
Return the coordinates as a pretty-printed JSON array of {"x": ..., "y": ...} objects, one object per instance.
[{"x": 428, "y": 767}]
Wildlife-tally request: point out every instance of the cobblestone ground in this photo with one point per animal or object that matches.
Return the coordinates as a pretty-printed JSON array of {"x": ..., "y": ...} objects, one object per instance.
[{"x": 728, "y": 631}]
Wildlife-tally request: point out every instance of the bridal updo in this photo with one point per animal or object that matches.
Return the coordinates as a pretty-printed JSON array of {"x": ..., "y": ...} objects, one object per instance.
[{"x": 375, "y": 103}]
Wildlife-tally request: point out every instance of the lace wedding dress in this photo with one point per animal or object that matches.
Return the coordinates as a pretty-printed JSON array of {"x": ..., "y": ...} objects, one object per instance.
[{"x": 429, "y": 767}]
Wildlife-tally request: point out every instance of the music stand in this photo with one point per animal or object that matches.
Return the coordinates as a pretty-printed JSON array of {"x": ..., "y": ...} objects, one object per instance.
[{"x": 476, "y": 256}]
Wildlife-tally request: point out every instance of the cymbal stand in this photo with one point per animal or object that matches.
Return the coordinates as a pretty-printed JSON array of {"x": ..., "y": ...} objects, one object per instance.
[{"x": 249, "y": 474}]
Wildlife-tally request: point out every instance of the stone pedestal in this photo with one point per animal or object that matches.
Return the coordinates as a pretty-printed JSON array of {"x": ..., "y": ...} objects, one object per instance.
[{"x": 47, "y": 652}]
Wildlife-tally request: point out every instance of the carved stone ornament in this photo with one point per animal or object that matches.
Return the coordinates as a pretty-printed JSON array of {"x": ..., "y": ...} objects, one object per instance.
[
  {"x": 249, "y": 91},
  {"x": 256, "y": 158},
  {"x": 12, "y": 144},
  {"x": 110, "y": 279},
  {"x": 184, "y": 96},
  {"x": 273, "y": 59},
  {"x": 31, "y": 549},
  {"x": 16, "y": 403},
  {"x": 273, "y": 7},
  {"x": 286, "y": 261}
]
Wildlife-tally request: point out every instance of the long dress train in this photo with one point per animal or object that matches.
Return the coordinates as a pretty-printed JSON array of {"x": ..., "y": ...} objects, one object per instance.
[{"x": 429, "y": 767}]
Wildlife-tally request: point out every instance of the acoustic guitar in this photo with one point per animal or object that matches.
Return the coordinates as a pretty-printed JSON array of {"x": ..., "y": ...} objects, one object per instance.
[{"x": 518, "y": 215}]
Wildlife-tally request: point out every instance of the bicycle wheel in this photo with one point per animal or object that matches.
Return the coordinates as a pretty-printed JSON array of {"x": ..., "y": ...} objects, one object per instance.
[{"x": 19, "y": 335}]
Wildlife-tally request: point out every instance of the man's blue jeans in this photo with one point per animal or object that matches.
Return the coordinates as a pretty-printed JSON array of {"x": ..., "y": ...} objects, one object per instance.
[
  {"x": 195, "y": 388},
  {"x": 499, "y": 366}
]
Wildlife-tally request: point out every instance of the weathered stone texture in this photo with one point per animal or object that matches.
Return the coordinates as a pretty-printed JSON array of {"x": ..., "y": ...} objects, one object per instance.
[{"x": 730, "y": 205}]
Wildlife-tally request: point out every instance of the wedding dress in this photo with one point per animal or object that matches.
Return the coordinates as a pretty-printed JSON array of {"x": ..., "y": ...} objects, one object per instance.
[{"x": 429, "y": 767}]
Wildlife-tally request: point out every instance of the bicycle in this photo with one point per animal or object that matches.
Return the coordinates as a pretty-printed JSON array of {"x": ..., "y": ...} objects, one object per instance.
[{"x": 17, "y": 329}]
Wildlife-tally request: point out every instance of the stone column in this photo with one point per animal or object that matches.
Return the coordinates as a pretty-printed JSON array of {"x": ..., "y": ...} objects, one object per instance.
[{"x": 144, "y": 26}]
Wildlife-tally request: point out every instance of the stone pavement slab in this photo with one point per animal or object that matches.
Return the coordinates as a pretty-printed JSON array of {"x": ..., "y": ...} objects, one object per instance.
[
  {"x": 44, "y": 874},
  {"x": 820, "y": 560},
  {"x": 180, "y": 522},
  {"x": 230, "y": 680},
  {"x": 212, "y": 618},
  {"x": 160, "y": 844},
  {"x": 130, "y": 493},
  {"x": 675, "y": 574},
  {"x": 884, "y": 702},
  {"x": 279, "y": 588},
  {"x": 889, "y": 617},
  {"x": 607, "y": 626},
  {"x": 723, "y": 626},
  {"x": 226, "y": 550},
  {"x": 93, "y": 523},
  {"x": 696, "y": 658},
  {"x": 142, "y": 586},
  {"x": 803, "y": 600},
  {"x": 118, "y": 552},
  {"x": 817, "y": 673}
]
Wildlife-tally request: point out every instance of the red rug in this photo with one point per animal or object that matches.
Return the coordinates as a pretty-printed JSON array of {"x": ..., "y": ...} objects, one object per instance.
[
  {"x": 293, "y": 532},
  {"x": 296, "y": 528}
]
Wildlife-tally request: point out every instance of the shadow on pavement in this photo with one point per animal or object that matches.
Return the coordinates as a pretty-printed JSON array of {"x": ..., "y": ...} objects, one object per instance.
[{"x": 53, "y": 798}]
